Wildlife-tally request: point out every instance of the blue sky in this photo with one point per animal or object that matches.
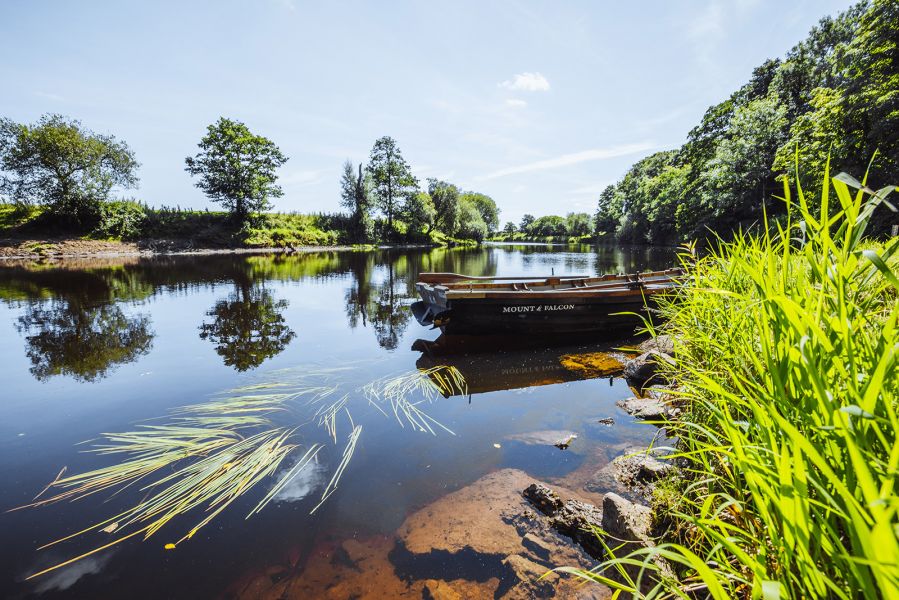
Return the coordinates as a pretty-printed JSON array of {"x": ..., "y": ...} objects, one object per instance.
[{"x": 538, "y": 104}]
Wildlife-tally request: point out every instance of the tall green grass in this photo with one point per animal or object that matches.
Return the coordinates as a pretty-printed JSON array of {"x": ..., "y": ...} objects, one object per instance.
[{"x": 786, "y": 348}]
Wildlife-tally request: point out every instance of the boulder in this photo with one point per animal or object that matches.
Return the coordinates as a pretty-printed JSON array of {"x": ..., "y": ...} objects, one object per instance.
[
  {"x": 629, "y": 525},
  {"x": 643, "y": 369},
  {"x": 651, "y": 408},
  {"x": 661, "y": 343},
  {"x": 574, "y": 518}
]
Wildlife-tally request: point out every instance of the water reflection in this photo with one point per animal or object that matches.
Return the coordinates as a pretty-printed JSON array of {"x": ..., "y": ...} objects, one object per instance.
[
  {"x": 248, "y": 327},
  {"x": 66, "y": 337},
  {"x": 76, "y": 321}
]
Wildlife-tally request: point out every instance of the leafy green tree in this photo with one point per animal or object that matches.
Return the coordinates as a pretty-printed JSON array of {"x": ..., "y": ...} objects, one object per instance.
[
  {"x": 486, "y": 206},
  {"x": 526, "y": 221},
  {"x": 471, "y": 223},
  {"x": 509, "y": 228},
  {"x": 445, "y": 198},
  {"x": 237, "y": 168},
  {"x": 608, "y": 212},
  {"x": 549, "y": 225},
  {"x": 419, "y": 214},
  {"x": 58, "y": 162},
  {"x": 355, "y": 196},
  {"x": 392, "y": 179},
  {"x": 578, "y": 224}
]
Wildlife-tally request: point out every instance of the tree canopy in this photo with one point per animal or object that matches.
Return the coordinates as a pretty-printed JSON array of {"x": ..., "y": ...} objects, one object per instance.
[
  {"x": 237, "y": 167},
  {"x": 833, "y": 96},
  {"x": 60, "y": 163}
]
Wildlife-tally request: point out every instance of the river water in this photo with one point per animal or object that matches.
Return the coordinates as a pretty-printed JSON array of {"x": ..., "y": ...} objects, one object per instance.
[{"x": 95, "y": 347}]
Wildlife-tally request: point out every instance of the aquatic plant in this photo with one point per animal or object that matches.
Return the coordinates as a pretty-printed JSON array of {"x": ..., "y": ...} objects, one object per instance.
[
  {"x": 208, "y": 455},
  {"x": 786, "y": 349}
]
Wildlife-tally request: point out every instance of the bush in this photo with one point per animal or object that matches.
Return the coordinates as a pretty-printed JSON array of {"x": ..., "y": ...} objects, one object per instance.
[{"x": 120, "y": 219}]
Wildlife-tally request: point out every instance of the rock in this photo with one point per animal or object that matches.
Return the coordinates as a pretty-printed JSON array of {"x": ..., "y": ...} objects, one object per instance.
[
  {"x": 573, "y": 518},
  {"x": 537, "y": 546},
  {"x": 648, "y": 408},
  {"x": 592, "y": 365},
  {"x": 643, "y": 369},
  {"x": 606, "y": 421},
  {"x": 439, "y": 590},
  {"x": 661, "y": 343},
  {"x": 547, "y": 437},
  {"x": 528, "y": 575},
  {"x": 640, "y": 470},
  {"x": 563, "y": 444},
  {"x": 629, "y": 525}
]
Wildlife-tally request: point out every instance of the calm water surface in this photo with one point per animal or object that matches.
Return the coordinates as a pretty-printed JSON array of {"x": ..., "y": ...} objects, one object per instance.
[{"x": 96, "y": 346}]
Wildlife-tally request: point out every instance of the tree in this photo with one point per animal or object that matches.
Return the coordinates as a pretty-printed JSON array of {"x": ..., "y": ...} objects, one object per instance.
[
  {"x": 419, "y": 213},
  {"x": 355, "y": 196},
  {"x": 471, "y": 223},
  {"x": 509, "y": 228},
  {"x": 445, "y": 199},
  {"x": 237, "y": 168},
  {"x": 58, "y": 162},
  {"x": 392, "y": 179},
  {"x": 549, "y": 225},
  {"x": 608, "y": 212},
  {"x": 486, "y": 206},
  {"x": 526, "y": 221},
  {"x": 578, "y": 224}
]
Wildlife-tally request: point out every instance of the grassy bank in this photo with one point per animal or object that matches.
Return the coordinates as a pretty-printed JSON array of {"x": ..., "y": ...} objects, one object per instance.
[
  {"x": 550, "y": 239},
  {"x": 786, "y": 365},
  {"x": 132, "y": 221}
]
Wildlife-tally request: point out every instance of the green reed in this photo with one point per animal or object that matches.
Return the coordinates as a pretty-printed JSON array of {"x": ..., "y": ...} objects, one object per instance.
[{"x": 786, "y": 347}]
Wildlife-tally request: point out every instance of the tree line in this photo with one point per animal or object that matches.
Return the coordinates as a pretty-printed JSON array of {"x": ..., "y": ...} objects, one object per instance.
[
  {"x": 572, "y": 225},
  {"x": 834, "y": 96},
  {"x": 71, "y": 171},
  {"x": 387, "y": 202}
]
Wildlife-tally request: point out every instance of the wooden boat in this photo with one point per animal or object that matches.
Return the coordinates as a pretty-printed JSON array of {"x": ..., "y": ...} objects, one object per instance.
[{"x": 460, "y": 304}]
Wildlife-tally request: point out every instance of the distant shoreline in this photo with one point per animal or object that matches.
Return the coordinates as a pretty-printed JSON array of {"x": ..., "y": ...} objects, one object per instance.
[{"x": 13, "y": 249}]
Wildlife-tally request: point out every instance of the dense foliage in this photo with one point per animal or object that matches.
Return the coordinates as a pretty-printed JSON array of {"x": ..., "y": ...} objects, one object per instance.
[
  {"x": 834, "y": 94},
  {"x": 785, "y": 346},
  {"x": 549, "y": 227},
  {"x": 237, "y": 168},
  {"x": 59, "y": 163}
]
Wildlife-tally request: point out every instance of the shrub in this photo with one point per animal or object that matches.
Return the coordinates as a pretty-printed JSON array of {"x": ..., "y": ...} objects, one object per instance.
[{"x": 120, "y": 219}]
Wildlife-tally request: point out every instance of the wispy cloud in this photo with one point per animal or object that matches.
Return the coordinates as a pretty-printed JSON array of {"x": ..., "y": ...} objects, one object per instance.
[
  {"x": 49, "y": 96},
  {"x": 516, "y": 103},
  {"x": 572, "y": 159},
  {"x": 527, "y": 82}
]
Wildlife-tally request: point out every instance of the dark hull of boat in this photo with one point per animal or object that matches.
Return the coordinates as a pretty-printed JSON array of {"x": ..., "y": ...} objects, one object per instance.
[{"x": 534, "y": 316}]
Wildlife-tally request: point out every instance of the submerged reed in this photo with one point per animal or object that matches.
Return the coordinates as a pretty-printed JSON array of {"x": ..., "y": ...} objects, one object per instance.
[
  {"x": 210, "y": 454},
  {"x": 786, "y": 350}
]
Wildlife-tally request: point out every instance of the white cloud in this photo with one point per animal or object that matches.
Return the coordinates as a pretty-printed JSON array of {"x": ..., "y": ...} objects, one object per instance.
[
  {"x": 516, "y": 103},
  {"x": 307, "y": 481},
  {"x": 527, "y": 82},
  {"x": 49, "y": 96},
  {"x": 572, "y": 159}
]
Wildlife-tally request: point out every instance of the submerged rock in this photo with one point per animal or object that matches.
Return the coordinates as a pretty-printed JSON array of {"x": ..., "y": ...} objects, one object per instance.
[
  {"x": 574, "y": 518},
  {"x": 547, "y": 437},
  {"x": 651, "y": 408},
  {"x": 630, "y": 525},
  {"x": 592, "y": 364}
]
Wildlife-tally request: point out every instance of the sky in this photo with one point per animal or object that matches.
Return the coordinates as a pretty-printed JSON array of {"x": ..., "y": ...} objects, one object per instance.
[{"x": 538, "y": 104}]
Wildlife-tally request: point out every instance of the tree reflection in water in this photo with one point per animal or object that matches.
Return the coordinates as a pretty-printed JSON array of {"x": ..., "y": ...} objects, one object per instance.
[
  {"x": 248, "y": 327},
  {"x": 82, "y": 341}
]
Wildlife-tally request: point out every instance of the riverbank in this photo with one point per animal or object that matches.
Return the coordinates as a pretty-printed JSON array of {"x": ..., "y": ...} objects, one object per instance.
[{"x": 780, "y": 388}]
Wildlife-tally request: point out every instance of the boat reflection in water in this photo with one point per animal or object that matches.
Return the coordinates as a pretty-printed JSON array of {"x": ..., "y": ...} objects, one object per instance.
[{"x": 499, "y": 362}]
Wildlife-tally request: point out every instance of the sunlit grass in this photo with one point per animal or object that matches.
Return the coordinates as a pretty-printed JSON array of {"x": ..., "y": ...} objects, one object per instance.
[{"x": 786, "y": 363}]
